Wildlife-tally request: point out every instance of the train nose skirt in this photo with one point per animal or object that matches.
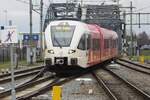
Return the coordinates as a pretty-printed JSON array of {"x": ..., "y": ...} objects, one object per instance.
[{"x": 61, "y": 61}]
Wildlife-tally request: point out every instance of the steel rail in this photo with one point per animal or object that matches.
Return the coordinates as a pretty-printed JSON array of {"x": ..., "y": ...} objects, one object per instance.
[
  {"x": 144, "y": 94},
  {"x": 18, "y": 76},
  {"x": 7, "y": 93},
  {"x": 21, "y": 71},
  {"x": 43, "y": 89},
  {"x": 104, "y": 86},
  {"x": 136, "y": 64},
  {"x": 49, "y": 86},
  {"x": 37, "y": 76},
  {"x": 136, "y": 69}
]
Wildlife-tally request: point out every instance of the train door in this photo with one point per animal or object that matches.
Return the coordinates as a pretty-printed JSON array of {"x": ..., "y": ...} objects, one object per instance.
[
  {"x": 95, "y": 49},
  {"x": 92, "y": 49},
  {"x": 87, "y": 43},
  {"x": 89, "y": 48},
  {"x": 84, "y": 46},
  {"x": 109, "y": 48}
]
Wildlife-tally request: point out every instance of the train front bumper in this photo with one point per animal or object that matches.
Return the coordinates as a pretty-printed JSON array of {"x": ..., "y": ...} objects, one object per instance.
[{"x": 61, "y": 61}]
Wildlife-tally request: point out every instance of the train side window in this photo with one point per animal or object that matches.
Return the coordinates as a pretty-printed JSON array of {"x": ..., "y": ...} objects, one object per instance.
[
  {"x": 105, "y": 43},
  {"x": 108, "y": 43},
  {"x": 96, "y": 44},
  {"x": 82, "y": 44},
  {"x": 93, "y": 44},
  {"x": 88, "y": 41},
  {"x": 114, "y": 43}
]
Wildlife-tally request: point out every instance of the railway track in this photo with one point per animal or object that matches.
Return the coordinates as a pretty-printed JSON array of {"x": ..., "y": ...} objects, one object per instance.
[
  {"x": 118, "y": 88},
  {"x": 46, "y": 87},
  {"x": 134, "y": 66},
  {"x": 20, "y": 74},
  {"x": 37, "y": 86},
  {"x": 23, "y": 84},
  {"x": 21, "y": 71},
  {"x": 6, "y": 95}
]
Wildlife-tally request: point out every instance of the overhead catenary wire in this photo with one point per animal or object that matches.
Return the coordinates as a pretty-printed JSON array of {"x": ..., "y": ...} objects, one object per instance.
[
  {"x": 45, "y": 6},
  {"x": 142, "y": 9}
]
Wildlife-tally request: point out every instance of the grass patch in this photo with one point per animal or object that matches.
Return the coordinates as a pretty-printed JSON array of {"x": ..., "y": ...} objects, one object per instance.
[
  {"x": 5, "y": 65},
  {"x": 145, "y": 52},
  {"x": 137, "y": 58}
]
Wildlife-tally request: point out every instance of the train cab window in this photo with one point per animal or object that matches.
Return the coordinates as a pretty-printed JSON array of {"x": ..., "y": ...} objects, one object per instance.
[
  {"x": 84, "y": 42},
  {"x": 62, "y": 35}
]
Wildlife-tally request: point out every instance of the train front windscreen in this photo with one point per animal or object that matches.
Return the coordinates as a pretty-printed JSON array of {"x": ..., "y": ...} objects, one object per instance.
[{"x": 62, "y": 35}]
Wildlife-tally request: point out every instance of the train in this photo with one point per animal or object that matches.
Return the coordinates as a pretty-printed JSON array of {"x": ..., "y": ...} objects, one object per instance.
[{"x": 73, "y": 44}]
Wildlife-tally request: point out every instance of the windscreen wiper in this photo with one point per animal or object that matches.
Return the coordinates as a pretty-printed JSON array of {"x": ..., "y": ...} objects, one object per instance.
[{"x": 57, "y": 42}]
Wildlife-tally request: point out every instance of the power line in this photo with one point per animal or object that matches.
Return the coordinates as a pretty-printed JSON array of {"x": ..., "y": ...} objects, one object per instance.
[
  {"x": 23, "y": 1},
  {"x": 142, "y": 9}
]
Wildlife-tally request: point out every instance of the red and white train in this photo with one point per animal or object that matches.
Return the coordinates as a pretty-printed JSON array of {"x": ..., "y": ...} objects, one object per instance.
[{"x": 70, "y": 43}]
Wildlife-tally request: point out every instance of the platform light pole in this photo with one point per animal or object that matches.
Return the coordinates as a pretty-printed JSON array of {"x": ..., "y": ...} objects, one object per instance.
[
  {"x": 13, "y": 92},
  {"x": 5, "y": 11},
  {"x": 67, "y": 8},
  {"x": 41, "y": 28},
  {"x": 30, "y": 12},
  {"x": 131, "y": 32}
]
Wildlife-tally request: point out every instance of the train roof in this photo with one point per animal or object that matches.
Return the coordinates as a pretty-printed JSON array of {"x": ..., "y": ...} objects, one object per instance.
[
  {"x": 87, "y": 27},
  {"x": 107, "y": 33}
]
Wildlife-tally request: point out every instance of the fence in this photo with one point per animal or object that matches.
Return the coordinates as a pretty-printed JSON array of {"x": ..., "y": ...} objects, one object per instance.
[{"x": 5, "y": 54}]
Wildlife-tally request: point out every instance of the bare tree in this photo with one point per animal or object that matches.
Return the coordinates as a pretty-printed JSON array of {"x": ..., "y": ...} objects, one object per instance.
[{"x": 143, "y": 39}]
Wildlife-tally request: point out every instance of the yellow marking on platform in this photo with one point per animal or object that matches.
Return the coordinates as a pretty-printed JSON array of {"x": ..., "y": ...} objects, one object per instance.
[
  {"x": 57, "y": 93},
  {"x": 142, "y": 59}
]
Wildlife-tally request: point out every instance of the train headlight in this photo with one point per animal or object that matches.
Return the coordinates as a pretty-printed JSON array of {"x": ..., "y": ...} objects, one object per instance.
[
  {"x": 50, "y": 51},
  {"x": 71, "y": 51}
]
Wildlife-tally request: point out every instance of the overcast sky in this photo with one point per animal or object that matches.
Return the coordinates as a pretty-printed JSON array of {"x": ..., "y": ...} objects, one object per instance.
[{"x": 18, "y": 12}]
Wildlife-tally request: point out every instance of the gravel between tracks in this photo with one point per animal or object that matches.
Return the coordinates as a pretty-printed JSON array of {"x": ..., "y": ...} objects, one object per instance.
[
  {"x": 139, "y": 79},
  {"x": 121, "y": 90},
  {"x": 83, "y": 88}
]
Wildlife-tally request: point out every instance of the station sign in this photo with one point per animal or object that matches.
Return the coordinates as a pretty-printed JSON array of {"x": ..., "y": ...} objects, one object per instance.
[
  {"x": 9, "y": 34},
  {"x": 28, "y": 37},
  {"x": 35, "y": 37}
]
